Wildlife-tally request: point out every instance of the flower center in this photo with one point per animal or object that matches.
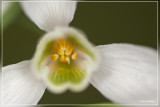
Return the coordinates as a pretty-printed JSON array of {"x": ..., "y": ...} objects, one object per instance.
[{"x": 63, "y": 51}]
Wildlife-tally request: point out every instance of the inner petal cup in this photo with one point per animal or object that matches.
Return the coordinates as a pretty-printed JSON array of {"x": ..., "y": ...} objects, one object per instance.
[{"x": 69, "y": 68}]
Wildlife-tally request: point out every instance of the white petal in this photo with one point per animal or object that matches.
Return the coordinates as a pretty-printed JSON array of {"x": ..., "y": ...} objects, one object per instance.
[
  {"x": 127, "y": 74},
  {"x": 48, "y": 15},
  {"x": 20, "y": 86}
]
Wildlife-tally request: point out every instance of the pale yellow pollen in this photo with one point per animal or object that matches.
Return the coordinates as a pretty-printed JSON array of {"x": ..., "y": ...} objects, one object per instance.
[
  {"x": 69, "y": 49},
  {"x": 60, "y": 51},
  {"x": 63, "y": 51},
  {"x": 54, "y": 57},
  {"x": 74, "y": 55}
]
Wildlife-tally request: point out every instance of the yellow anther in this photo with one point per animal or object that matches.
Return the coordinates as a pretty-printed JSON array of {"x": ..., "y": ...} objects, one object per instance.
[
  {"x": 55, "y": 48},
  {"x": 62, "y": 43},
  {"x": 69, "y": 49},
  {"x": 67, "y": 59},
  {"x": 74, "y": 55},
  {"x": 63, "y": 50},
  {"x": 62, "y": 58},
  {"x": 60, "y": 51},
  {"x": 54, "y": 57}
]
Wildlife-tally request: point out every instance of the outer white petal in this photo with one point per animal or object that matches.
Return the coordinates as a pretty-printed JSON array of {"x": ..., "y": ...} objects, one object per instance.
[
  {"x": 48, "y": 15},
  {"x": 20, "y": 86},
  {"x": 127, "y": 74}
]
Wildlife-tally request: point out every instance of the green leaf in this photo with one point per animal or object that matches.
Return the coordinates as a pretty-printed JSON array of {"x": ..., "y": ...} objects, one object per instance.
[
  {"x": 102, "y": 105},
  {"x": 11, "y": 13}
]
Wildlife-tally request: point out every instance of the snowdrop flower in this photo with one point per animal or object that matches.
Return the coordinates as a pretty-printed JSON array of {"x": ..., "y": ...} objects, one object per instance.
[{"x": 65, "y": 59}]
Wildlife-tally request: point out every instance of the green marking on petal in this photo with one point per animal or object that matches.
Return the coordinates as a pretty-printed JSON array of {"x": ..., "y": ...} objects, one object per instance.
[
  {"x": 46, "y": 52},
  {"x": 64, "y": 73}
]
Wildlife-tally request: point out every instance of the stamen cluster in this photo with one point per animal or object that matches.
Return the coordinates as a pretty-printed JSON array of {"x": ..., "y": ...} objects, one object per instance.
[{"x": 63, "y": 51}]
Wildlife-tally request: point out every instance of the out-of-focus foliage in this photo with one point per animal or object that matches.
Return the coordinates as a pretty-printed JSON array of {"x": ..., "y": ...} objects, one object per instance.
[{"x": 11, "y": 13}]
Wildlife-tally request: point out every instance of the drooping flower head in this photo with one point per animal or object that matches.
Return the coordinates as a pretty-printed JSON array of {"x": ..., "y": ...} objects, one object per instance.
[{"x": 65, "y": 59}]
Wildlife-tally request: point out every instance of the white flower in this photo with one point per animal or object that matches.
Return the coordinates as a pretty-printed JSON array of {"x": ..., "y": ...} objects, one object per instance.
[
  {"x": 65, "y": 60},
  {"x": 124, "y": 73}
]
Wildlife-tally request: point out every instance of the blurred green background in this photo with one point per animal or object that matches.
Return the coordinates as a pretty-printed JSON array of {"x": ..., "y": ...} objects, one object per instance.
[{"x": 103, "y": 22}]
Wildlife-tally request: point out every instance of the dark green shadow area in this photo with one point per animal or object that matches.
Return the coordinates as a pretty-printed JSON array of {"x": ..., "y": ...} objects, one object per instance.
[{"x": 108, "y": 22}]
